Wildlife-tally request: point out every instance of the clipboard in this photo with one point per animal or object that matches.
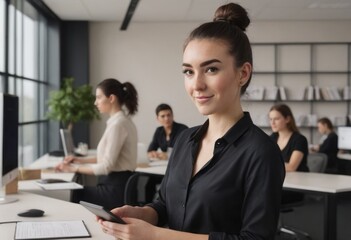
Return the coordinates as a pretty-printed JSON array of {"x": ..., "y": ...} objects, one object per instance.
[{"x": 51, "y": 230}]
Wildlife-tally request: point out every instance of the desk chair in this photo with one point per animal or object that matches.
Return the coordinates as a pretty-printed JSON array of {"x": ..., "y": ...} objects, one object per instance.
[
  {"x": 141, "y": 188},
  {"x": 317, "y": 162}
]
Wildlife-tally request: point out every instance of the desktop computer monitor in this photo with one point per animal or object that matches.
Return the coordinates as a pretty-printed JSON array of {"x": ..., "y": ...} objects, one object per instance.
[
  {"x": 8, "y": 142},
  {"x": 344, "y": 138}
]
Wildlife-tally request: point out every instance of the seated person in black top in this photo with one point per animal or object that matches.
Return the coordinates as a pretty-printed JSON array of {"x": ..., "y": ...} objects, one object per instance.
[
  {"x": 329, "y": 145},
  {"x": 293, "y": 145},
  {"x": 165, "y": 135}
]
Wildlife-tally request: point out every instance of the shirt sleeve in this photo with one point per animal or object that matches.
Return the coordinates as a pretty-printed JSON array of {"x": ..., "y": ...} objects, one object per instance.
[
  {"x": 114, "y": 138},
  {"x": 262, "y": 198},
  {"x": 300, "y": 144},
  {"x": 154, "y": 143},
  {"x": 329, "y": 145}
]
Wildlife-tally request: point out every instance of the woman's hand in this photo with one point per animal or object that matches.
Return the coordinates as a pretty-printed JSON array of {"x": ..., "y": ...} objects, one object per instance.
[
  {"x": 157, "y": 155},
  {"x": 64, "y": 167},
  {"x": 135, "y": 229},
  {"x": 71, "y": 159}
]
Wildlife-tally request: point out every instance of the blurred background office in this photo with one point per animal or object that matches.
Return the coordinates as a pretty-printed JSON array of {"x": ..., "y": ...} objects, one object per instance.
[{"x": 44, "y": 41}]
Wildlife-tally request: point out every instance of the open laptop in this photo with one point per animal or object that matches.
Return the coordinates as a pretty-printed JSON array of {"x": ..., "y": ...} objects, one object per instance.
[{"x": 67, "y": 143}]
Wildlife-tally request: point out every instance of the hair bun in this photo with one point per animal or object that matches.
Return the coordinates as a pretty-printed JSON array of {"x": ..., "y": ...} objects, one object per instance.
[{"x": 234, "y": 14}]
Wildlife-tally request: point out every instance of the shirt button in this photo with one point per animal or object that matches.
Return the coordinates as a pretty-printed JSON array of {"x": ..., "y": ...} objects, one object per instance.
[{"x": 183, "y": 205}]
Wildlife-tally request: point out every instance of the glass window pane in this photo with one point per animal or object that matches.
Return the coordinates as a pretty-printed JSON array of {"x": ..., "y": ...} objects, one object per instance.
[
  {"x": 19, "y": 39},
  {"x": 11, "y": 37},
  {"x": 2, "y": 83},
  {"x": 42, "y": 101},
  {"x": 28, "y": 149},
  {"x": 2, "y": 35},
  {"x": 12, "y": 86},
  {"x": 28, "y": 104},
  {"x": 30, "y": 41},
  {"x": 43, "y": 143},
  {"x": 42, "y": 49}
]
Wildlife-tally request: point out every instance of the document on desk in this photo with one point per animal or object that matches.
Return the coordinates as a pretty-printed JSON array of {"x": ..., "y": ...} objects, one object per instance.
[
  {"x": 51, "y": 230},
  {"x": 59, "y": 186}
]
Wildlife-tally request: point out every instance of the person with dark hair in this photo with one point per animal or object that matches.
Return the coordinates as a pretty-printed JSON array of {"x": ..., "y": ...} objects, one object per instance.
[
  {"x": 116, "y": 157},
  {"x": 224, "y": 178},
  {"x": 329, "y": 144},
  {"x": 165, "y": 135},
  {"x": 293, "y": 145}
]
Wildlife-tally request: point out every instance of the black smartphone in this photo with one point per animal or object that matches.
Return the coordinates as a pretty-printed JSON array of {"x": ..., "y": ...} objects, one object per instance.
[{"x": 102, "y": 212}]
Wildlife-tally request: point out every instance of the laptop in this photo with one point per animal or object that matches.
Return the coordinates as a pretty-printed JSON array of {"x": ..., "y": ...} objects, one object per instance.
[{"x": 68, "y": 144}]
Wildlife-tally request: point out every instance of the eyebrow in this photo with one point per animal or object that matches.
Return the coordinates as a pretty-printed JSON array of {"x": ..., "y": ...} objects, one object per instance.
[{"x": 203, "y": 64}]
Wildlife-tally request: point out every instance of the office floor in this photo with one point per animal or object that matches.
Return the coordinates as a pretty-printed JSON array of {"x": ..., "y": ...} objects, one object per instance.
[{"x": 309, "y": 218}]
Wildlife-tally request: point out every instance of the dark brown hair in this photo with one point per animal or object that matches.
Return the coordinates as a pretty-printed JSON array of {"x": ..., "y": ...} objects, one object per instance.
[
  {"x": 285, "y": 110},
  {"x": 326, "y": 121},
  {"x": 162, "y": 107},
  {"x": 229, "y": 24},
  {"x": 125, "y": 92}
]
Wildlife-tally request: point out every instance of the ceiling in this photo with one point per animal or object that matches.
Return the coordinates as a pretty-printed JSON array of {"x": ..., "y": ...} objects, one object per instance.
[{"x": 198, "y": 10}]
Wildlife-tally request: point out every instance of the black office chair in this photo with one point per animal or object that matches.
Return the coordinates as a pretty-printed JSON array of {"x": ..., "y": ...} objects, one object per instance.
[
  {"x": 316, "y": 162},
  {"x": 141, "y": 188}
]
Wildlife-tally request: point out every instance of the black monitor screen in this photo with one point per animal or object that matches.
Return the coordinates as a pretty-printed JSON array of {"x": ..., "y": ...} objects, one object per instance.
[{"x": 10, "y": 134}]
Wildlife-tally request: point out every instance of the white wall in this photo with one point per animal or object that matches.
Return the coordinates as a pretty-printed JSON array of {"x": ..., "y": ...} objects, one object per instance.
[{"x": 149, "y": 55}]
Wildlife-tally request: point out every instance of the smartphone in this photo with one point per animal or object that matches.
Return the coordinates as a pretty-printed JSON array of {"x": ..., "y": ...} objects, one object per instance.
[{"x": 102, "y": 212}]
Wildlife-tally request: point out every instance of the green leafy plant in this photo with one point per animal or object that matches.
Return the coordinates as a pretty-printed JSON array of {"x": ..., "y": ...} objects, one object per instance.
[{"x": 70, "y": 105}]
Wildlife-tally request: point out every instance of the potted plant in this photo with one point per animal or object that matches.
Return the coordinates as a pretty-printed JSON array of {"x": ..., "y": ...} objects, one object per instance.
[{"x": 70, "y": 105}]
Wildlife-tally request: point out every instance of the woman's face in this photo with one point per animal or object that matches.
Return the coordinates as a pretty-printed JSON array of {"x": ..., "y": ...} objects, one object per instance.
[
  {"x": 211, "y": 78},
  {"x": 102, "y": 102},
  {"x": 278, "y": 121},
  {"x": 322, "y": 128}
]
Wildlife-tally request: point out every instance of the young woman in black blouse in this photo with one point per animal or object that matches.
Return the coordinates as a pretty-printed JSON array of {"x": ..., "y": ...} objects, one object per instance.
[
  {"x": 224, "y": 178},
  {"x": 329, "y": 145},
  {"x": 292, "y": 143}
]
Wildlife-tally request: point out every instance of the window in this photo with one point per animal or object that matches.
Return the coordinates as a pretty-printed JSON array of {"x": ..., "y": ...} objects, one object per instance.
[
  {"x": 24, "y": 70},
  {"x": 2, "y": 36}
]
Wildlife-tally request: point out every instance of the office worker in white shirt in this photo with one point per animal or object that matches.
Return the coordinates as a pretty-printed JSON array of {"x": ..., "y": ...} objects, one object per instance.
[{"x": 117, "y": 150}]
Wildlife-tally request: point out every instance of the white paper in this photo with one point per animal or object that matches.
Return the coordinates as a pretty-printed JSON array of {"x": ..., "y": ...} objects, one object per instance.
[
  {"x": 60, "y": 186},
  {"x": 51, "y": 229}
]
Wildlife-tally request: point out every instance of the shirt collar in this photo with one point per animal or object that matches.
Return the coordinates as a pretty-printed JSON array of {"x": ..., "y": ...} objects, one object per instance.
[
  {"x": 231, "y": 135},
  {"x": 114, "y": 117}
]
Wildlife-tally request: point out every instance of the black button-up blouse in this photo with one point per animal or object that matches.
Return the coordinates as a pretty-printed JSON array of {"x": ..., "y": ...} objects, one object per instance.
[{"x": 236, "y": 195}]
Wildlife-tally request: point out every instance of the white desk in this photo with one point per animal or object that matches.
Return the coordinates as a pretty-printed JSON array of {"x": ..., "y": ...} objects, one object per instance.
[
  {"x": 330, "y": 186},
  {"x": 344, "y": 156},
  {"x": 156, "y": 168},
  {"x": 46, "y": 163},
  {"x": 55, "y": 210}
]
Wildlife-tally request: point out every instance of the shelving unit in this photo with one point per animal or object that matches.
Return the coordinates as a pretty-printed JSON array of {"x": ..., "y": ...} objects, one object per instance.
[{"x": 296, "y": 67}]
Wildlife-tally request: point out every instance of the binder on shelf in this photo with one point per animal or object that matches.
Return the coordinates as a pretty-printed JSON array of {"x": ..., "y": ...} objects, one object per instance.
[
  {"x": 317, "y": 93},
  {"x": 335, "y": 93},
  {"x": 301, "y": 121},
  {"x": 309, "y": 91},
  {"x": 282, "y": 93},
  {"x": 255, "y": 93},
  {"x": 262, "y": 120},
  {"x": 325, "y": 94},
  {"x": 340, "y": 121},
  {"x": 311, "y": 120},
  {"x": 271, "y": 93}
]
